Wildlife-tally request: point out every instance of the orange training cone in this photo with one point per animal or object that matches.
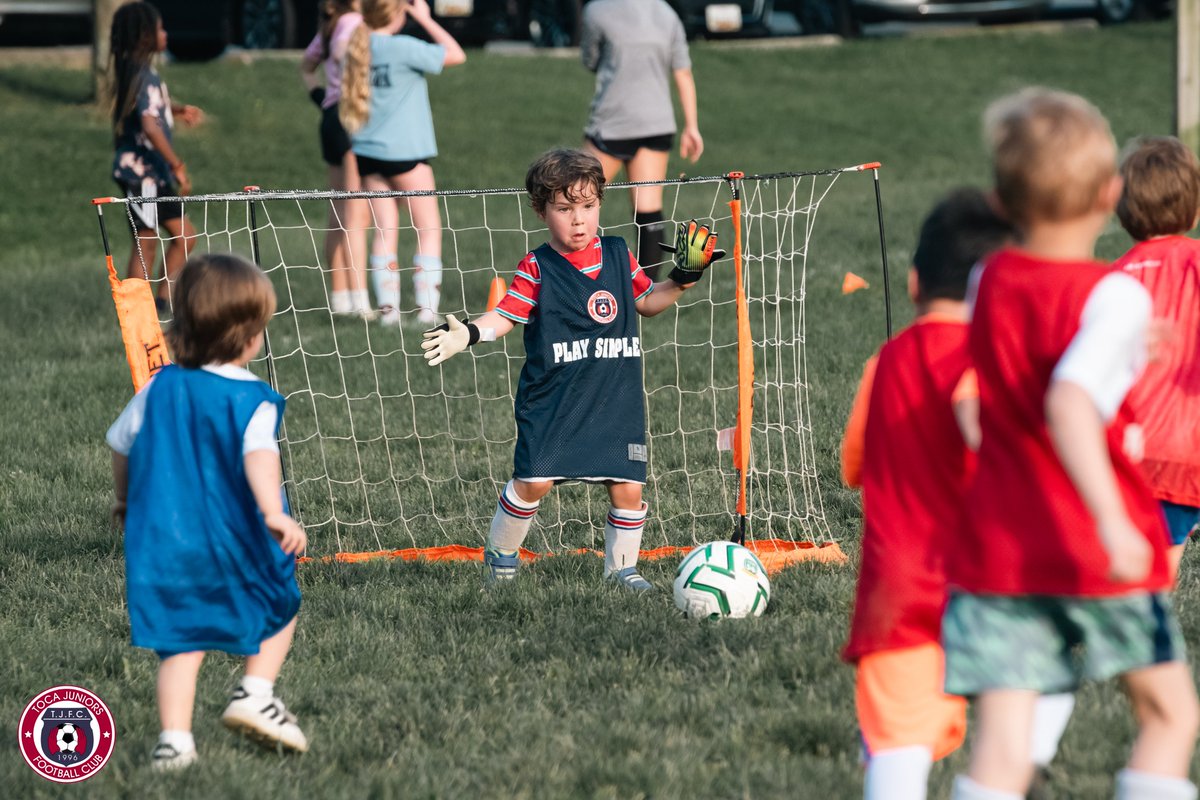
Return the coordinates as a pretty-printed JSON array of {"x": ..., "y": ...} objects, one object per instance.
[
  {"x": 496, "y": 293},
  {"x": 852, "y": 283}
]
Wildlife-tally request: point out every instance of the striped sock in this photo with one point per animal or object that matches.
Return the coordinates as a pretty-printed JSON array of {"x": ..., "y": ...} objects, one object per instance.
[
  {"x": 623, "y": 538},
  {"x": 512, "y": 521}
]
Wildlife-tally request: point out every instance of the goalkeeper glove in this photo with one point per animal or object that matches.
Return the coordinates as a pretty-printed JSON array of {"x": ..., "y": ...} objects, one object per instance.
[
  {"x": 448, "y": 340},
  {"x": 695, "y": 248},
  {"x": 317, "y": 95}
]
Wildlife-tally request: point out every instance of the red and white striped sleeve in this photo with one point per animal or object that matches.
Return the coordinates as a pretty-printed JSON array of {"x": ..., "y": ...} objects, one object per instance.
[
  {"x": 642, "y": 285},
  {"x": 522, "y": 296}
]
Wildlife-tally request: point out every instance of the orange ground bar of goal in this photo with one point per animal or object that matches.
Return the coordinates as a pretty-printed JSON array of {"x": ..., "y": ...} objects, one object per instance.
[{"x": 774, "y": 553}]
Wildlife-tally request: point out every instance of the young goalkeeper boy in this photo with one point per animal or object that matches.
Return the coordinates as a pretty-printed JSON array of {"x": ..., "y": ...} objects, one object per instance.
[
  {"x": 904, "y": 450},
  {"x": 580, "y": 405},
  {"x": 1059, "y": 573},
  {"x": 1158, "y": 206}
]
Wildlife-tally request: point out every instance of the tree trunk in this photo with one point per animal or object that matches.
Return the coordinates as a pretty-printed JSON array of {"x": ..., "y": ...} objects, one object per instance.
[{"x": 102, "y": 14}]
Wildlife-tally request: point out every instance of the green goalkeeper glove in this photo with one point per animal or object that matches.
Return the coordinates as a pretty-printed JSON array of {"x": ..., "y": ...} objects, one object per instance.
[
  {"x": 448, "y": 340},
  {"x": 695, "y": 248}
]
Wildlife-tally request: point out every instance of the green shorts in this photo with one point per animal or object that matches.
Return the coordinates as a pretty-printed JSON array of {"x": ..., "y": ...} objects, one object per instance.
[{"x": 1051, "y": 644}]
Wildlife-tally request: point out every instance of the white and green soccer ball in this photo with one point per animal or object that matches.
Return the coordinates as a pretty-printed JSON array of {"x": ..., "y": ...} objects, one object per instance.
[{"x": 721, "y": 579}]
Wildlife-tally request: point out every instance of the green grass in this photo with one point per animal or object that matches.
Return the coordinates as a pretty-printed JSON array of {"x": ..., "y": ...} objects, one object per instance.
[{"x": 410, "y": 680}]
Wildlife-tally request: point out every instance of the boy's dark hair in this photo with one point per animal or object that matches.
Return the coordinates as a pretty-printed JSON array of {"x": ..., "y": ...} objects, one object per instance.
[
  {"x": 562, "y": 171},
  {"x": 220, "y": 302},
  {"x": 133, "y": 42},
  {"x": 1162, "y": 187},
  {"x": 959, "y": 232}
]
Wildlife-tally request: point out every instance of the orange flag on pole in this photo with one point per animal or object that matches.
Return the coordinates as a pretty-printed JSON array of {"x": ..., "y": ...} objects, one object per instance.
[{"x": 145, "y": 346}]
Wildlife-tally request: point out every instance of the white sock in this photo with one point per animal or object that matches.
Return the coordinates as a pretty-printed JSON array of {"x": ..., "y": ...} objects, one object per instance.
[
  {"x": 622, "y": 538},
  {"x": 898, "y": 774},
  {"x": 427, "y": 281},
  {"x": 1050, "y": 718},
  {"x": 259, "y": 687},
  {"x": 967, "y": 789},
  {"x": 341, "y": 302},
  {"x": 182, "y": 741},
  {"x": 512, "y": 521},
  {"x": 386, "y": 279},
  {"x": 1135, "y": 785},
  {"x": 362, "y": 300}
]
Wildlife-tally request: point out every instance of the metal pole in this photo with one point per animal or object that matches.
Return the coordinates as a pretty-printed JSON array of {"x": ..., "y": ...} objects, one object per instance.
[{"x": 887, "y": 281}]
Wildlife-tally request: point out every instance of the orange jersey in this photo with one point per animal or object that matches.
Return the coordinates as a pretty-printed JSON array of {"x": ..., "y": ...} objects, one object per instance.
[
  {"x": 904, "y": 448},
  {"x": 1166, "y": 399}
]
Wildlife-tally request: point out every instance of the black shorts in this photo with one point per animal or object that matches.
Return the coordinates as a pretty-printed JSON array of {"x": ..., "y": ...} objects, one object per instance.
[
  {"x": 335, "y": 142},
  {"x": 149, "y": 216},
  {"x": 626, "y": 149},
  {"x": 388, "y": 169}
]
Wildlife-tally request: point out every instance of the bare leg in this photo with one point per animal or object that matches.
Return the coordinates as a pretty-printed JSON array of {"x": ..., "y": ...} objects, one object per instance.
[
  {"x": 271, "y": 654},
  {"x": 532, "y": 491},
  {"x": 427, "y": 219},
  {"x": 647, "y": 165},
  {"x": 143, "y": 258},
  {"x": 1164, "y": 704},
  {"x": 182, "y": 243},
  {"x": 1000, "y": 755},
  {"x": 610, "y": 164},
  {"x": 177, "y": 690}
]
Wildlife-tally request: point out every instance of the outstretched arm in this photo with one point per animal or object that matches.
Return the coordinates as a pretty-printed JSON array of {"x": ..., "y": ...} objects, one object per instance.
[
  {"x": 449, "y": 339},
  {"x": 666, "y": 294}
]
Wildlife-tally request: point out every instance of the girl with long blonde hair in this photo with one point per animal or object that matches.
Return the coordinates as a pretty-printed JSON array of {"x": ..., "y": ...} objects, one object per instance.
[{"x": 385, "y": 108}]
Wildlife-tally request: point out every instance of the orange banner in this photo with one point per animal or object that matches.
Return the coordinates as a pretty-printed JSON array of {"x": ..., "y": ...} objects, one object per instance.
[
  {"x": 145, "y": 347},
  {"x": 775, "y": 554}
]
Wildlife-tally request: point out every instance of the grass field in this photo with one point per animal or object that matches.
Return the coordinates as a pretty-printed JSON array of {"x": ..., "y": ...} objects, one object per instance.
[{"x": 410, "y": 680}]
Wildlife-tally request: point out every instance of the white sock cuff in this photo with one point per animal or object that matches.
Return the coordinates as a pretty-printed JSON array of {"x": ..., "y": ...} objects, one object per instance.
[
  {"x": 509, "y": 496},
  {"x": 624, "y": 516},
  {"x": 967, "y": 789},
  {"x": 381, "y": 260},
  {"x": 257, "y": 686},
  {"x": 182, "y": 741},
  {"x": 1133, "y": 784}
]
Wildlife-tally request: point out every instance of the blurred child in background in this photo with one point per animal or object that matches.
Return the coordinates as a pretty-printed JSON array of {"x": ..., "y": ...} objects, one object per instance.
[
  {"x": 145, "y": 164},
  {"x": 348, "y": 274},
  {"x": 385, "y": 108},
  {"x": 1158, "y": 205}
]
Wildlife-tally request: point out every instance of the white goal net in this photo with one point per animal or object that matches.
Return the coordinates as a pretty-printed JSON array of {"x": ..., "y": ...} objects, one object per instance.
[{"x": 382, "y": 452}]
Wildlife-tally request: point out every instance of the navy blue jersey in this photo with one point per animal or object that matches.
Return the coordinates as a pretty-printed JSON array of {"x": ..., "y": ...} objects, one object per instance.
[{"x": 580, "y": 405}]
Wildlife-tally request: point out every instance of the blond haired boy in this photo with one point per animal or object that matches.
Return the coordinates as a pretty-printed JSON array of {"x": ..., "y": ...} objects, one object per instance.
[{"x": 1060, "y": 572}]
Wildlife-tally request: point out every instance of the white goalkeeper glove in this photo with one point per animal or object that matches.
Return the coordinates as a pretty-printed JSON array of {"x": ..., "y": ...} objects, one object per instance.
[{"x": 448, "y": 340}]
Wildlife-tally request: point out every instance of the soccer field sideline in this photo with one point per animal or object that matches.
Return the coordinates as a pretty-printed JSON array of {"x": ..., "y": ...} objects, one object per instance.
[{"x": 411, "y": 681}]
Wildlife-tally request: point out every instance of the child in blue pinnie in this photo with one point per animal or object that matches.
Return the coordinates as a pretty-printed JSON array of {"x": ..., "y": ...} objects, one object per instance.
[{"x": 210, "y": 552}]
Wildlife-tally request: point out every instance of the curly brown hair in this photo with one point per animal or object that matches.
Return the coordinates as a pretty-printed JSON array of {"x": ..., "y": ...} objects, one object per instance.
[
  {"x": 570, "y": 172},
  {"x": 221, "y": 302}
]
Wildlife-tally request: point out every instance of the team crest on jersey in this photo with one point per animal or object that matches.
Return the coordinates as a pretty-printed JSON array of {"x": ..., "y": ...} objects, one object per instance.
[
  {"x": 602, "y": 307},
  {"x": 66, "y": 734}
]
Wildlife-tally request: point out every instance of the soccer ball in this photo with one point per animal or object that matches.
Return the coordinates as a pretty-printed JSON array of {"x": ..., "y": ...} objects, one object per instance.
[
  {"x": 721, "y": 579},
  {"x": 66, "y": 737}
]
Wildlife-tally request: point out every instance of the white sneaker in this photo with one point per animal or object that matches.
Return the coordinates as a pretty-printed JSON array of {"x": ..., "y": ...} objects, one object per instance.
[
  {"x": 390, "y": 318},
  {"x": 166, "y": 757},
  {"x": 265, "y": 720}
]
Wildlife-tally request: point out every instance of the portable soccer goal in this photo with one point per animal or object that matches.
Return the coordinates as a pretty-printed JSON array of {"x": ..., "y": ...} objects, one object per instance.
[{"x": 384, "y": 455}]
